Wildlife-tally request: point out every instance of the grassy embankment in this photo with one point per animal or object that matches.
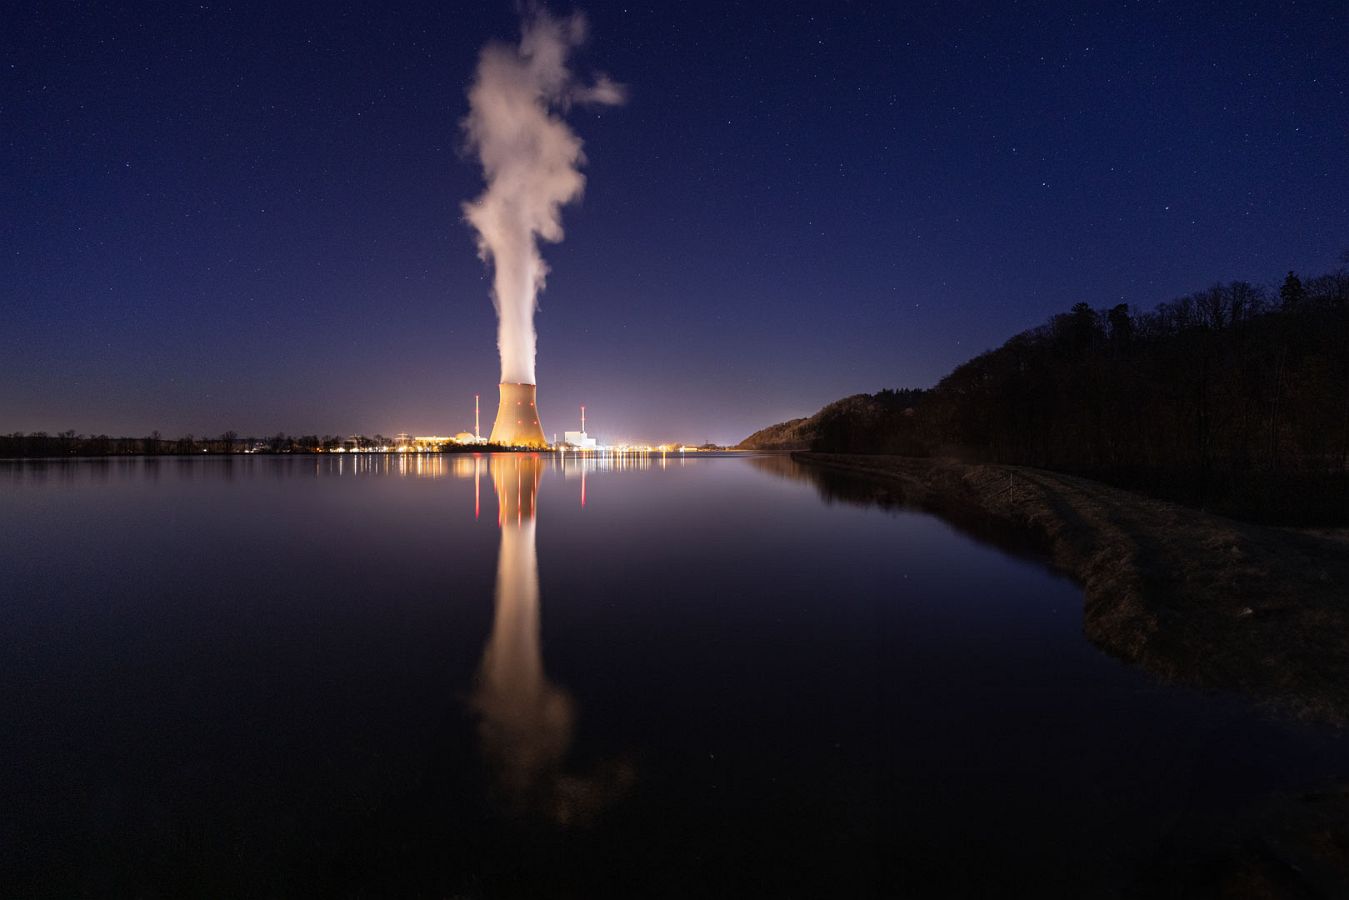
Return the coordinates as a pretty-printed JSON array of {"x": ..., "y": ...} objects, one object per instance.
[{"x": 1188, "y": 596}]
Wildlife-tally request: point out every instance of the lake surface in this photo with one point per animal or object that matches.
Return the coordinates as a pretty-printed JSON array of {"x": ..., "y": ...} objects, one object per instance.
[{"x": 510, "y": 675}]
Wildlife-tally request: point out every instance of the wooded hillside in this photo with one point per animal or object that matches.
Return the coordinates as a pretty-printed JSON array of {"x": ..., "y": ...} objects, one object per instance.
[{"x": 1234, "y": 398}]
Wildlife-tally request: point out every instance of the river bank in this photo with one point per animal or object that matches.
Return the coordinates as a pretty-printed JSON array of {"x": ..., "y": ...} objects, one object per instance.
[{"x": 1188, "y": 596}]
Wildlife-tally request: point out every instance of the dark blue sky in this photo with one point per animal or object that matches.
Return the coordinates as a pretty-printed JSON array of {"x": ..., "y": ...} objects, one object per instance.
[{"x": 247, "y": 216}]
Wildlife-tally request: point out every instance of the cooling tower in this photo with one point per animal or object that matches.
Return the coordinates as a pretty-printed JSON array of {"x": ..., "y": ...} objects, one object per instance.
[{"x": 517, "y": 423}]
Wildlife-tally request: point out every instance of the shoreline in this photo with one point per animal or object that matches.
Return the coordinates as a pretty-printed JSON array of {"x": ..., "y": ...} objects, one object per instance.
[
  {"x": 1188, "y": 596},
  {"x": 480, "y": 449}
]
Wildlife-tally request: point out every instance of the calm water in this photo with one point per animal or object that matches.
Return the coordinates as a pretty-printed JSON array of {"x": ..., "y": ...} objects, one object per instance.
[{"x": 507, "y": 676}]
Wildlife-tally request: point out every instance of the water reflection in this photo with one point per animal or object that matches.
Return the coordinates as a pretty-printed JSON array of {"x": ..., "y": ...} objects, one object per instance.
[
  {"x": 432, "y": 466},
  {"x": 852, "y": 489},
  {"x": 527, "y": 721}
]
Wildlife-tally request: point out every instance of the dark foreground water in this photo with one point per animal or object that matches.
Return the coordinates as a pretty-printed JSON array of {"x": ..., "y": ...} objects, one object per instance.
[{"x": 511, "y": 676}]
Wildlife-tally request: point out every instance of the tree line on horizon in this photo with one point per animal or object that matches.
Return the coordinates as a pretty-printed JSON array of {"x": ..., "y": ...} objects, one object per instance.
[
  {"x": 1233, "y": 398},
  {"x": 67, "y": 443}
]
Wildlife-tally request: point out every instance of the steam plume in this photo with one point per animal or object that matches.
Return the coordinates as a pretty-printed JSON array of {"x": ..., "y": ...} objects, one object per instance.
[{"x": 530, "y": 160}]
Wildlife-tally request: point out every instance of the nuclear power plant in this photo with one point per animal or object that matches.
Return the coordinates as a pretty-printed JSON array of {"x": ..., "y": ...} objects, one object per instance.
[
  {"x": 579, "y": 440},
  {"x": 531, "y": 165},
  {"x": 517, "y": 423}
]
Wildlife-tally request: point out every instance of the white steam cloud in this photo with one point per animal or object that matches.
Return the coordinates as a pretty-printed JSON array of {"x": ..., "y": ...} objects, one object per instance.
[{"x": 531, "y": 161}]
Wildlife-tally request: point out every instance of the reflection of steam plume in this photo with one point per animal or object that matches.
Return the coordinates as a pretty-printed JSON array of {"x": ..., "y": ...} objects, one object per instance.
[
  {"x": 530, "y": 159},
  {"x": 526, "y": 723}
]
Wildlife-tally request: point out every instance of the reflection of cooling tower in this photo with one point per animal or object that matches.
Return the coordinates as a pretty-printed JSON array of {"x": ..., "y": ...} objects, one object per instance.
[
  {"x": 526, "y": 719},
  {"x": 516, "y": 479},
  {"x": 517, "y": 423}
]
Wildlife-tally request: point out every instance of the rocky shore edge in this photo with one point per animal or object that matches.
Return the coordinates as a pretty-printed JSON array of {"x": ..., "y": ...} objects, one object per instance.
[{"x": 1188, "y": 596}]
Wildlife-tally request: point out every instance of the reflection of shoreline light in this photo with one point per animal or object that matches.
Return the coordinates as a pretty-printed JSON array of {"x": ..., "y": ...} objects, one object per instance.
[{"x": 472, "y": 465}]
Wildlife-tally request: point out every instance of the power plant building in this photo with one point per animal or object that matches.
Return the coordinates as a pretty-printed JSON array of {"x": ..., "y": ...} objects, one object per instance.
[
  {"x": 517, "y": 422},
  {"x": 579, "y": 439}
]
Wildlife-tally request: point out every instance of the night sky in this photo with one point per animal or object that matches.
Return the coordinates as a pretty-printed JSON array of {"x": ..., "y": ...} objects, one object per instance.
[{"x": 248, "y": 216}]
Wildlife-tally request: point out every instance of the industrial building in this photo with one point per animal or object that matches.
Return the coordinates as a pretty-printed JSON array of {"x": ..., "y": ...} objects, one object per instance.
[{"x": 579, "y": 439}]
